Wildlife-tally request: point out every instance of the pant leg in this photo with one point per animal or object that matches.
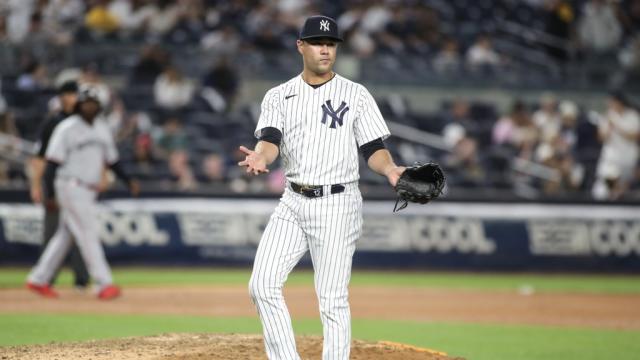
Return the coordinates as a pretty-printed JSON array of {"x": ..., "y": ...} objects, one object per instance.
[
  {"x": 81, "y": 275},
  {"x": 51, "y": 222},
  {"x": 80, "y": 215},
  {"x": 334, "y": 225},
  {"x": 52, "y": 256},
  {"x": 80, "y": 272},
  {"x": 282, "y": 245}
]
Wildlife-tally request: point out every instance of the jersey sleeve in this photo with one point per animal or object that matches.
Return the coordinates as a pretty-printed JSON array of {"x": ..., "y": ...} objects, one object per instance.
[
  {"x": 369, "y": 124},
  {"x": 270, "y": 114},
  {"x": 57, "y": 149}
]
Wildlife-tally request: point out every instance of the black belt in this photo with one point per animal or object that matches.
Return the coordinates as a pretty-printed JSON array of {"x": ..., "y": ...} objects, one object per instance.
[{"x": 315, "y": 191}]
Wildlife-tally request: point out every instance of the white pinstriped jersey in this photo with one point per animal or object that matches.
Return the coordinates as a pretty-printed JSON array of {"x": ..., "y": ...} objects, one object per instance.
[
  {"x": 82, "y": 149},
  {"x": 322, "y": 128}
]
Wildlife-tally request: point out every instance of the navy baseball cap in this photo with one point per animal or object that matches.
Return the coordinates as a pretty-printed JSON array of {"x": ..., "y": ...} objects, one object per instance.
[{"x": 320, "y": 26}]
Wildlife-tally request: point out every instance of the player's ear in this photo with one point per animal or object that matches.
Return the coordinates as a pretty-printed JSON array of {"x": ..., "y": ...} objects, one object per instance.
[{"x": 299, "y": 44}]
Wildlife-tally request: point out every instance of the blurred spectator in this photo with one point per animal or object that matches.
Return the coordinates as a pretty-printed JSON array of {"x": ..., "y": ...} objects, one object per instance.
[
  {"x": 153, "y": 59},
  {"x": 171, "y": 141},
  {"x": 33, "y": 77},
  {"x": 599, "y": 29},
  {"x": 18, "y": 18},
  {"x": 99, "y": 20},
  {"x": 557, "y": 151},
  {"x": 629, "y": 60},
  {"x": 516, "y": 130},
  {"x": 396, "y": 31},
  {"x": 547, "y": 118},
  {"x": 62, "y": 18},
  {"x": 164, "y": 18},
  {"x": 143, "y": 155},
  {"x": 559, "y": 21},
  {"x": 481, "y": 56},
  {"x": 133, "y": 16},
  {"x": 225, "y": 41},
  {"x": 190, "y": 26},
  {"x": 276, "y": 180},
  {"x": 459, "y": 135},
  {"x": 8, "y": 130},
  {"x": 459, "y": 123},
  {"x": 619, "y": 132},
  {"x": 447, "y": 61},
  {"x": 172, "y": 90},
  {"x": 426, "y": 22},
  {"x": 214, "y": 169},
  {"x": 38, "y": 40},
  {"x": 221, "y": 85}
]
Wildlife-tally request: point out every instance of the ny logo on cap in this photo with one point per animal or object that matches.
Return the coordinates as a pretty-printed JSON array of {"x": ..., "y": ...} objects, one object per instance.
[
  {"x": 336, "y": 116},
  {"x": 324, "y": 25}
]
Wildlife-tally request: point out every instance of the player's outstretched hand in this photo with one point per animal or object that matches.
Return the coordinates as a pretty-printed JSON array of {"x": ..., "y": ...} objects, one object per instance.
[
  {"x": 134, "y": 187},
  {"x": 255, "y": 162}
]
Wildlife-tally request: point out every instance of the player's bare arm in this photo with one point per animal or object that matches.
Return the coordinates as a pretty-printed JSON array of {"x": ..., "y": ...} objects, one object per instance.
[
  {"x": 257, "y": 160},
  {"x": 382, "y": 163},
  {"x": 36, "y": 167}
]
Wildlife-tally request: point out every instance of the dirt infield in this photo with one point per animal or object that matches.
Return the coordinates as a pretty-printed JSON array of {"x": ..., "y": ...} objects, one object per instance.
[
  {"x": 416, "y": 304},
  {"x": 205, "y": 346}
]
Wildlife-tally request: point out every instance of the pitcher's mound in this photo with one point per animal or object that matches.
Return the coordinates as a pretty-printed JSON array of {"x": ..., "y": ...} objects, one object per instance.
[{"x": 207, "y": 346}]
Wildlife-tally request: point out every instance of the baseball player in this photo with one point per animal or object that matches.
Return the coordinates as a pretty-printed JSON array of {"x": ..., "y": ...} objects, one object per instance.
[
  {"x": 316, "y": 121},
  {"x": 67, "y": 96},
  {"x": 79, "y": 148}
]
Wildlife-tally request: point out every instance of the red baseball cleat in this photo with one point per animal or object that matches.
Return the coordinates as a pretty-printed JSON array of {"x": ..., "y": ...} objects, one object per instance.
[
  {"x": 42, "y": 290},
  {"x": 109, "y": 292}
]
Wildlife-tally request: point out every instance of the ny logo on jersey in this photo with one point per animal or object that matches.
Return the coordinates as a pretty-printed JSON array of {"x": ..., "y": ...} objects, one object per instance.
[
  {"x": 324, "y": 25},
  {"x": 337, "y": 115}
]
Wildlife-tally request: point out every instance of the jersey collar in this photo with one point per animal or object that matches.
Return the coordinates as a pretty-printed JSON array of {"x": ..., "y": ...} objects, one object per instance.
[{"x": 318, "y": 85}]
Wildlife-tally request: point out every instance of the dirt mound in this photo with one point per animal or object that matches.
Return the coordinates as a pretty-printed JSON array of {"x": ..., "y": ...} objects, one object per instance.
[{"x": 205, "y": 346}]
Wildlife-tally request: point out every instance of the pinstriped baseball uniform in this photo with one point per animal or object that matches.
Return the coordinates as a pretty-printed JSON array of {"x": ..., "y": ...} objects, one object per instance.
[
  {"x": 82, "y": 150},
  {"x": 321, "y": 128}
]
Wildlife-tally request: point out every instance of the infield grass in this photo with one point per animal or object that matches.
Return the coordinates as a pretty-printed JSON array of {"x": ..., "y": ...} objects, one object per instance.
[
  {"x": 472, "y": 341},
  {"x": 475, "y": 342},
  {"x": 613, "y": 284}
]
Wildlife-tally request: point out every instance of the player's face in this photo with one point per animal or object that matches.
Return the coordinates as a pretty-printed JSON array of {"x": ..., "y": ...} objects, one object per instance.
[
  {"x": 68, "y": 100},
  {"x": 89, "y": 109},
  {"x": 318, "y": 55}
]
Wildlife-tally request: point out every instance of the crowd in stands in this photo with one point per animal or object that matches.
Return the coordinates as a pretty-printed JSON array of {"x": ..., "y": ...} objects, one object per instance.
[{"x": 180, "y": 128}]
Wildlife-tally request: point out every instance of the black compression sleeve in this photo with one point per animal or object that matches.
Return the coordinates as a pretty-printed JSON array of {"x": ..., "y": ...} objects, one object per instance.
[
  {"x": 371, "y": 147},
  {"x": 116, "y": 167},
  {"x": 48, "y": 177},
  {"x": 272, "y": 135}
]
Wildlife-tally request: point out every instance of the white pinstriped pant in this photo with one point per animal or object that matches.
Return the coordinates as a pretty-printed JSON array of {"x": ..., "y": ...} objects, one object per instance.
[
  {"x": 78, "y": 217},
  {"x": 328, "y": 227}
]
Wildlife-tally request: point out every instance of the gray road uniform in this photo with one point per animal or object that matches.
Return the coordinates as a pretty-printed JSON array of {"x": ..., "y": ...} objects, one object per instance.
[{"x": 81, "y": 150}]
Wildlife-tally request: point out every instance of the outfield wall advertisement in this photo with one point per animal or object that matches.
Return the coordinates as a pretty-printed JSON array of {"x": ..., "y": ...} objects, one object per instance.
[{"x": 440, "y": 235}]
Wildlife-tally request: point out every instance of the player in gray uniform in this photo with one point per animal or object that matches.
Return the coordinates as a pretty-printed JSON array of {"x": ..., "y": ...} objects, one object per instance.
[
  {"x": 67, "y": 95},
  {"x": 79, "y": 148},
  {"x": 316, "y": 122}
]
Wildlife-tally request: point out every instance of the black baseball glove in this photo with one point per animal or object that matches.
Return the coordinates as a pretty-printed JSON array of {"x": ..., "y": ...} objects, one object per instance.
[{"x": 420, "y": 183}]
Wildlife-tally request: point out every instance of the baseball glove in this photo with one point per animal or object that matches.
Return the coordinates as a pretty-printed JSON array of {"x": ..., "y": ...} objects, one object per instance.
[{"x": 420, "y": 184}]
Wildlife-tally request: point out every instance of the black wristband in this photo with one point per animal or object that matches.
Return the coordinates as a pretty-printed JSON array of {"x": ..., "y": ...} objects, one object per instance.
[
  {"x": 371, "y": 147},
  {"x": 272, "y": 135}
]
